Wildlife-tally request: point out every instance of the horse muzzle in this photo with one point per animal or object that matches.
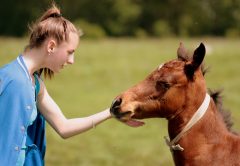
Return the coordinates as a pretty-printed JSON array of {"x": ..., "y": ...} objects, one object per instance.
[
  {"x": 115, "y": 109},
  {"x": 126, "y": 116}
]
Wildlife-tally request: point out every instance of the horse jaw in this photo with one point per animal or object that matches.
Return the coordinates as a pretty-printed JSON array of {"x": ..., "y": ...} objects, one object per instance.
[
  {"x": 128, "y": 118},
  {"x": 130, "y": 121}
]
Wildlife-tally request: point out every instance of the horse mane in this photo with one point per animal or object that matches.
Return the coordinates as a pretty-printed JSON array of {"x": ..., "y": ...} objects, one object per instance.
[
  {"x": 216, "y": 95},
  {"x": 226, "y": 114}
]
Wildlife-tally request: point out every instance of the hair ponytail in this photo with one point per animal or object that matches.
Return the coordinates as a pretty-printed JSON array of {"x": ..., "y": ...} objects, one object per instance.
[
  {"x": 54, "y": 11},
  {"x": 50, "y": 24}
]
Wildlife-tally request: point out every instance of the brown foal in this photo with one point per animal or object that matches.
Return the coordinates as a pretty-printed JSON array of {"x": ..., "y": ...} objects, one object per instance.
[{"x": 177, "y": 91}]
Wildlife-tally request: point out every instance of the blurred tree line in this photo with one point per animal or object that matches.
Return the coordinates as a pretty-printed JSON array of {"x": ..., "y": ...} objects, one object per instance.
[{"x": 139, "y": 18}]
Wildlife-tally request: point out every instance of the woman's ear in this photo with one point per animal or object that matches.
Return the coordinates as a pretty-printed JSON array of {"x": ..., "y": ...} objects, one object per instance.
[{"x": 51, "y": 45}]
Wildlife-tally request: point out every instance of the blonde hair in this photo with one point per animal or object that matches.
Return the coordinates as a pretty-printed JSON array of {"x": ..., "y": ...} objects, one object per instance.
[{"x": 50, "y": 24}]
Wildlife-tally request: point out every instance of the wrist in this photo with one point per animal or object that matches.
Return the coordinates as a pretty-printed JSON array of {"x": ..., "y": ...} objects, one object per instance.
[{"x": 108, "y": 113}]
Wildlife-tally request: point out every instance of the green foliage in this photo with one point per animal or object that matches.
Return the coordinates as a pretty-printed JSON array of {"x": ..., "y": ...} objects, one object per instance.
[
  {"x": 186, "y": 25},
  {"x": 233, "y": 33},
  {"x": 131, "y": 17},
  {"x": 125, "y": 19},
  {"x": 90, "y": 30},
  {"x": 162, "y": 29},
  {"x": 140, "y": 33},
  {"x": 16, "y": 15}
]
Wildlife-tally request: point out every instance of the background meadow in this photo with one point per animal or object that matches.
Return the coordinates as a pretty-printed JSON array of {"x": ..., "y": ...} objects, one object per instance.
[{"x": 103, "y": 69}]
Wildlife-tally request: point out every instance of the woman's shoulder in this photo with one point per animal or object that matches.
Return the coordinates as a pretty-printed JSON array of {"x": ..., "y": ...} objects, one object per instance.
[
  {"x": 10, "y": 73},
  {"x": 8, "y": 69},
  {"x": 5, "y": 77}
]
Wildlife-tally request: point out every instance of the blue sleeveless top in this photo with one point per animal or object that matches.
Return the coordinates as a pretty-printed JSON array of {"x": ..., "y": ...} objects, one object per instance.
[
  {"x": 31, "y": 141},
  {"x": 17, "y": 102}
]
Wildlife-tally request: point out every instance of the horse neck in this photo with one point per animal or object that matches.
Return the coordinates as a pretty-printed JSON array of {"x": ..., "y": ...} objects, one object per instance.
[
  {"x": 211, "y": 121},
  {"x": 210, "y": 131}
]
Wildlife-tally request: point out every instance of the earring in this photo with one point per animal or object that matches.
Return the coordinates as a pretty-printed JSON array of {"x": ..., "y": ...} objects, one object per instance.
[{"x": 50, "y": 51}]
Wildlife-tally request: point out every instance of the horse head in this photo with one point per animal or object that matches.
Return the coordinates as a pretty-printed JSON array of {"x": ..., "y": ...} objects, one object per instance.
[{"x": 166, "y": 92}]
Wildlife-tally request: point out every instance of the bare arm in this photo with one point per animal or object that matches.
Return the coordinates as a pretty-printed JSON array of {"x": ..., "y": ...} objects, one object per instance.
[{"x": 63, "y": 126}]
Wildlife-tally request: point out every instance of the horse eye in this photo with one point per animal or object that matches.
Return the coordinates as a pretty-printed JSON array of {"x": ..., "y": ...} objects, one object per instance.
[
  {"x": 162, "y": 85},
  {"x": 153, "y": 97}
]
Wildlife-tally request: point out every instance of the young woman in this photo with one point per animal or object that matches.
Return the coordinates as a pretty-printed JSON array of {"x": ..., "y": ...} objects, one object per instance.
[{"x": 24, "y": 100}]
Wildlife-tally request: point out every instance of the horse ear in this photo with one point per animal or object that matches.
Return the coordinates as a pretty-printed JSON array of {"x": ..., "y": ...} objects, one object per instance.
[
  {"x": 197, "y": 60},
  {"x": 182, "y": 52},
  {"x": 198, "y": 56}
]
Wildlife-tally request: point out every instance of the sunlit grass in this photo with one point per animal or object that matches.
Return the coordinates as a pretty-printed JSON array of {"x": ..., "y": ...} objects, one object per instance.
[{"x": 105, "y": 68}]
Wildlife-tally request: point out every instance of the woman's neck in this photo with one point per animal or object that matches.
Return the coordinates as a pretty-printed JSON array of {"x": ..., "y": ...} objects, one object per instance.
[{"x": 34, "y": 60}]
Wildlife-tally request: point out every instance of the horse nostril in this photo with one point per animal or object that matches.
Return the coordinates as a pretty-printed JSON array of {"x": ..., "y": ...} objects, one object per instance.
[
  {"x": 116, "y": 102},
  {"x": 115, "y": 106}
]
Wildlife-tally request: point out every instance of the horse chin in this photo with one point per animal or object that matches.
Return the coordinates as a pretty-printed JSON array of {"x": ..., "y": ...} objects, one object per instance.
[{"x": 132, "y": 122}]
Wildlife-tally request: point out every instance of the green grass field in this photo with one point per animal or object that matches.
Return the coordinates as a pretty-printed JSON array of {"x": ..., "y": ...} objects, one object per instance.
[{"x": 105, "y": 68}]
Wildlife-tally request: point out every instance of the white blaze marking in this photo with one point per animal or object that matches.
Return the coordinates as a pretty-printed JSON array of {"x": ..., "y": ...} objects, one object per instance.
[{"x": 160, "y": 66}]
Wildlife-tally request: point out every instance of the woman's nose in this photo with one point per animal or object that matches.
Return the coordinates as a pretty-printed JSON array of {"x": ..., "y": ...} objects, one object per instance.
[{"x": 70, "y": 59}]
